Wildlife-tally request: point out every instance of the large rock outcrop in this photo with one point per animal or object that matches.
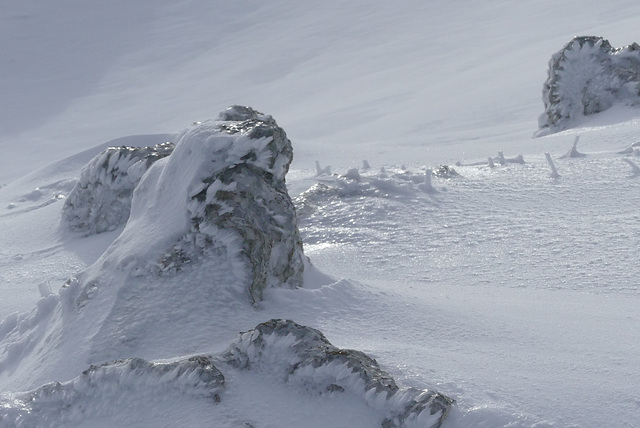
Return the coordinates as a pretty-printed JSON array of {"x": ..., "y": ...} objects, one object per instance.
[
  {"x": 302, "y": 356},
  {"x": 588, "y": 76},
  {"x": 222, "y": 185},
  {"x": 246, "y": 192}
]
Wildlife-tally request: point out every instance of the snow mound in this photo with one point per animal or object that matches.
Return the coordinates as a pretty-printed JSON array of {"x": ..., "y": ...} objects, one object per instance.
[
  {"x": 302, "y": 356},
  {"x": 105, "y": 390},
  {"x": 585, "y": 77},
  {"x": 101, "y": 199}
]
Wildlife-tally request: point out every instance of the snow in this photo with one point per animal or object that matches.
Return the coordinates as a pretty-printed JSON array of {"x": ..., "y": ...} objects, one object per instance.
[{"x": 513, "y": 292}]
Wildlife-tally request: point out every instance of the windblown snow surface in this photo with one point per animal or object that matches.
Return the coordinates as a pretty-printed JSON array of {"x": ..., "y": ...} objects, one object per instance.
[{"x": 509, "y": 290}]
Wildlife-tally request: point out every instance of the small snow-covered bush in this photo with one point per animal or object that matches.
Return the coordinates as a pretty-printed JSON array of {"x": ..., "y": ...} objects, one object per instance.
[{"x": 585, "y": 77}]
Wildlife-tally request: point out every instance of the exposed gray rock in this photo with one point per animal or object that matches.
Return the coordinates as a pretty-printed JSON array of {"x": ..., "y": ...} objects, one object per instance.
[
  {"x": 236, "y": 187},
  {"x": 248, "y": 195},
  {"x": 588, "y": 76},
  {"x": 302, "y": 355},
  {"x": 101, "y": 199}
]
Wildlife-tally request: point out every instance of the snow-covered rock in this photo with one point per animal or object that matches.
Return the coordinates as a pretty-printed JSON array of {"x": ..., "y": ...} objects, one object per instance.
[
  {"x": 223, "y": 186},
  {"x": 101, "y": 199},
  {"x": 588, "y": 76},
  {"x": 131, "y": 391},
  {"x": 103, "y": 391},
  {"x": 210, "y": 226},
  {"x": 302, "y": 356},
  {"x": 246, "y": 192}
]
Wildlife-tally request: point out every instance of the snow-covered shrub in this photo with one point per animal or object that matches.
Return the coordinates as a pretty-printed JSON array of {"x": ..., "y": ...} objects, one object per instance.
[
  {"x": 588, "y": 76},
  {"x": 302, "y": 356},
  {"x": 101, "y": 199}
]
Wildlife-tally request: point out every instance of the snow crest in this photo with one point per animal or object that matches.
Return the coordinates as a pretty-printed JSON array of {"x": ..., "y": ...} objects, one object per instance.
[{"x": 302, "y": 356}]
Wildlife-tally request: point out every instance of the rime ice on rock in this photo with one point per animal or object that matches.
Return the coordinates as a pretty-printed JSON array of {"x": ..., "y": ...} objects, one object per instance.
[
  {"x": 588, "y": 76},
  {"x": 245, "y": 191},
  {"x": 125, "y": 382},
  {"x": 301, "y": 355},
  {"x": 101, "y": 199},
  {"x": 223, "y": 185}
]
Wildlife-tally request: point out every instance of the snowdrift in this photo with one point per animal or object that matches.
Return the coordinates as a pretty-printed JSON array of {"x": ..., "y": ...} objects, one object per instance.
[
  {"x": 209, "y": 226},
  {"x": 585, "y": 77}
]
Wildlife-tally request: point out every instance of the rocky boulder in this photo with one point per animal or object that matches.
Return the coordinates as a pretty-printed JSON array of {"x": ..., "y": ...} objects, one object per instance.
[
  {"x": 244, "y": 191},
  {"x": 301, "y": 355},
  {"x": 101, "y": 199},
  {"x": 588, "y": 76},
  {"x": 103, "y": 390}
]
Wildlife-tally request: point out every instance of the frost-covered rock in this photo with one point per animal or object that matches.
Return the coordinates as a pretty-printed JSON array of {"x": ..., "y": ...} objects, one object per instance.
[
  {"x": 101, "y": 199},
  {"x": 303, "y": 356},
  {"x": 104, "y": 390},
  {"x": 244, "y": 191},
  {"x": 588, "y": 76},
  {"x": 221, "y": 190}
]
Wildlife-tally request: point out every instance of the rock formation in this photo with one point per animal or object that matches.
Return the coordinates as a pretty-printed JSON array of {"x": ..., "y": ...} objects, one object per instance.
[
  {"x": 588, "y": 76},
  {"x": 101, "y": 389},
  {"x": 101, "y": 199},
  {"x": 303, "y": 356}
]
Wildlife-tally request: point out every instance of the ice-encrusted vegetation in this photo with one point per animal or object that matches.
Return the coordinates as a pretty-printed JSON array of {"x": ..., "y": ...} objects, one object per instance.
[{"x": 585, "y": 77}]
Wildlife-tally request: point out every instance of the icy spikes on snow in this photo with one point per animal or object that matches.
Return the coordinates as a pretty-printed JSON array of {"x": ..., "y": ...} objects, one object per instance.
[
  {"x": 574, "y": 153},
  {"x": 427, "y": 187},
  {"x": 302, "y": 356},
  {"x": 635, "y": 170},
  {"x": 322, "y": 171},
  {"x": 587, "y": 76},
  {"x": 101, "y": 199},
  {"x": 552, "y": 167}
]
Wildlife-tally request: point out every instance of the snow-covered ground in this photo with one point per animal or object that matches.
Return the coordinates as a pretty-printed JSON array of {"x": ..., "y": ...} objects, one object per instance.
[{"x": 512, "y": 292}]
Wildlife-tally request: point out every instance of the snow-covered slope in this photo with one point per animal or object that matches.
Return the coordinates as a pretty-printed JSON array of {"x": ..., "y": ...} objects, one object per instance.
[{"x": 510, "y": 291}]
